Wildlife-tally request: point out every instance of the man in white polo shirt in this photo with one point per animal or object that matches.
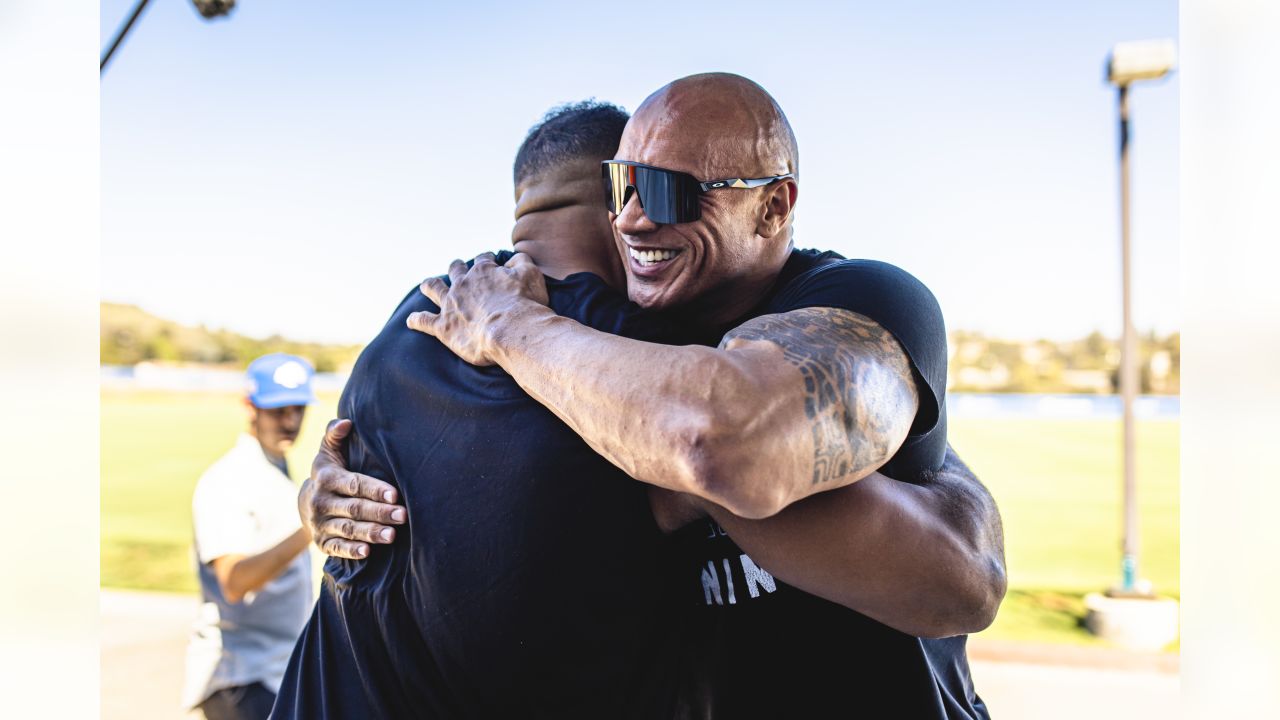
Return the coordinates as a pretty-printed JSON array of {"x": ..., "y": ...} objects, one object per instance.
[{"x": 255, "y": 573}]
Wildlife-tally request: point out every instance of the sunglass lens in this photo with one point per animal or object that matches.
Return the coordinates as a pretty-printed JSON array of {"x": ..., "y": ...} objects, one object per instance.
[
  {"x": 666, "y": 196},
  {"x": 615, "y": 186}
]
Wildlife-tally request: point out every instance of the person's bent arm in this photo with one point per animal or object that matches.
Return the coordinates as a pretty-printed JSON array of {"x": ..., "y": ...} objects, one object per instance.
[
  {"x": 787, "y": 406},
  {"x": 926, "y": 559},
  {"x": 239, "y": 575}
]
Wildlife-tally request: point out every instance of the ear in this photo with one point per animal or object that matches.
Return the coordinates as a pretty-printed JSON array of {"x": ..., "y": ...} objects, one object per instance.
[{"x": 778, "y": 205}]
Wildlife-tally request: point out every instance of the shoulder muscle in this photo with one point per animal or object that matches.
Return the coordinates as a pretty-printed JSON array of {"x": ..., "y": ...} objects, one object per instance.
[{"x": 859, "y": 395}]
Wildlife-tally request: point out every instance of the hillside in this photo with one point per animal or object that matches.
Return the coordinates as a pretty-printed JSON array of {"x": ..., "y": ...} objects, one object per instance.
[{"x": 130, "y": 335}]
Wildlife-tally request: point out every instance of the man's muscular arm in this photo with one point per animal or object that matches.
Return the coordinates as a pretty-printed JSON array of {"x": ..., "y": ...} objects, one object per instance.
[
  {"x": 789, "y": 405},
  {"x": 926, "y": 559}
]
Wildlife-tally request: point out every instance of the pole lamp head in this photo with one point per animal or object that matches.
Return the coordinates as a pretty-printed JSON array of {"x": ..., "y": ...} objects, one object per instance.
[
  {"x": 210, "y": 9},
  {"x": 1140, "y": 60}
]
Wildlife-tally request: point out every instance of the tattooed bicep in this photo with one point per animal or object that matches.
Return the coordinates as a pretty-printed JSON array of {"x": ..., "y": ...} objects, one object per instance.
[{"x": 859, "y": 394}]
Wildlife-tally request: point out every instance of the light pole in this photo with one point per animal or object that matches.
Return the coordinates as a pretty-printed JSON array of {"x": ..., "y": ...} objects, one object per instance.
[{"x": 1130, "y": 62}]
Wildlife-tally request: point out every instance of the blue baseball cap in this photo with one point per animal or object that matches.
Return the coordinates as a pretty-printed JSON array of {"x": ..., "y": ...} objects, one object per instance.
[{"x": 277, "y": 380}]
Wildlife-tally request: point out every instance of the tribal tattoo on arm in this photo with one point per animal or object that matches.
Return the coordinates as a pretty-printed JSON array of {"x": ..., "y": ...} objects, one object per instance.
[{"x": 860, "y": 395}]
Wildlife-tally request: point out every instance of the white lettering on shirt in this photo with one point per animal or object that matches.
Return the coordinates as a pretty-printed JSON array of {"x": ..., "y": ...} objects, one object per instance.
[
  {"x": 711, "y": 584},
  {"x": 715, "y": 592},
  {"x": 756, "y": 577}
]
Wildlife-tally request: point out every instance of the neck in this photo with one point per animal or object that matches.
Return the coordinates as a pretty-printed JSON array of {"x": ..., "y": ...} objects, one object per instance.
[
  {"x": 554, "y": 259},
  {"x": 275, "y": 457},
  {"x": 561, "y": 252},
  {"x": 561, "y": 225}
]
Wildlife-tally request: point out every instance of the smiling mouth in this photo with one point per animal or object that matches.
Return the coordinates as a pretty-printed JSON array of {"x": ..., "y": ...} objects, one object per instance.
[{"x": 652, "y": 258}]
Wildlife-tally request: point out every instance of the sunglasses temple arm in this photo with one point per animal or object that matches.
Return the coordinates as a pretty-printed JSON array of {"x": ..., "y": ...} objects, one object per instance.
[{"x": 742, "y": 182}]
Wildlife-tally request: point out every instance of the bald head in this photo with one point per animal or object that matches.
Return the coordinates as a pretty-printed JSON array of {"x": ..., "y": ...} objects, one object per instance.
[{"x": 735, "y": 126}]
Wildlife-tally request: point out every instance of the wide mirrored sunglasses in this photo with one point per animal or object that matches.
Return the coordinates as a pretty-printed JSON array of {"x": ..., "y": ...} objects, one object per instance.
[{"x": 666, "y": 196}]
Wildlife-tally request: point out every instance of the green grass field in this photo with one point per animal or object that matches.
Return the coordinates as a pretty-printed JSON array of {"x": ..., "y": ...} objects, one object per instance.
[
  {"x": 1057, "y": 483},
  {"x": 155, "y": 445}
]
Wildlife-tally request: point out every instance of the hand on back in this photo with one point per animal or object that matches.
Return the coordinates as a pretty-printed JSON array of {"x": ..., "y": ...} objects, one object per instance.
[
  {"x": 476, "y": 301},
  {"x": 345, "y": 512}
]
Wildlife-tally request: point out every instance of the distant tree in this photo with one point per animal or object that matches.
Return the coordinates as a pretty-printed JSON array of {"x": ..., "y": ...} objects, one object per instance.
[{"x": 161, "y": 347}]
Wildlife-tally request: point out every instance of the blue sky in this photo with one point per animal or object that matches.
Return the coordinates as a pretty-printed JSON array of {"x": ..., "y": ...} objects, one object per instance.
[{"x": 296, "y": 168}]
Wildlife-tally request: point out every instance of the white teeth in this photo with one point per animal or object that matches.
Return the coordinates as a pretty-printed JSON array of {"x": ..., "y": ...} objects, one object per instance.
[{"x": 649, "y": 257}]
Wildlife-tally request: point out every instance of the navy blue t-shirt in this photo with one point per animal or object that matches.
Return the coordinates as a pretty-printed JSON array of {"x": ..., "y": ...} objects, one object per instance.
[{"x": 764, "y": 649}]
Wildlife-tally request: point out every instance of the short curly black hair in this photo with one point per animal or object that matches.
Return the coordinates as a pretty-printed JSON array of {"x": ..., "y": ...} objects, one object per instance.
[{"x": 589, "y": 129}]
